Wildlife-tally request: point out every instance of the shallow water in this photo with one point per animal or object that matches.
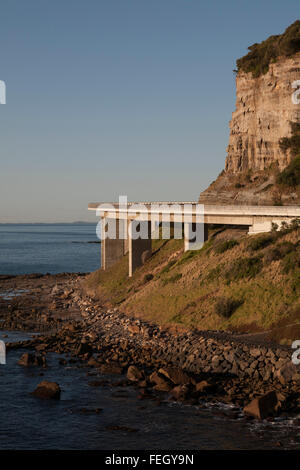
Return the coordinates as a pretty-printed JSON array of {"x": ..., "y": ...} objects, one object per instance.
[
  {"x": 12, "y": 293},
  {"x": 30, "y": 423}
]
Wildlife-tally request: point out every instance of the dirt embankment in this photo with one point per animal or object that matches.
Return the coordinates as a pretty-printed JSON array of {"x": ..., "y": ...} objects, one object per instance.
[{"x": 234, "y": 283}]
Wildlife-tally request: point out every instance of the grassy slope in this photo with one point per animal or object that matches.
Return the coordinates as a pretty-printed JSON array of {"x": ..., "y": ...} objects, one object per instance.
[{"x": 186, "y": 287}]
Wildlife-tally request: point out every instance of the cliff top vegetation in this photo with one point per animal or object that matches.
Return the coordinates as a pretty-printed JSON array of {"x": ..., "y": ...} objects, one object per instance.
[{"x": 262, "y": 54}]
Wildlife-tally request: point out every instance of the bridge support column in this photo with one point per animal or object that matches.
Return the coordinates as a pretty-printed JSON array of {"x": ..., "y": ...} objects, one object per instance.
[
  {"x": 195, "y": 235},
  {"x": 140, "y": 249},
  {"x": 112, "y": 249}
]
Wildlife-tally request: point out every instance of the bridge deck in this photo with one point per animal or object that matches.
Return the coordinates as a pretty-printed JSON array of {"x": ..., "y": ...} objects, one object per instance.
[{"x": 156, "y": 207}]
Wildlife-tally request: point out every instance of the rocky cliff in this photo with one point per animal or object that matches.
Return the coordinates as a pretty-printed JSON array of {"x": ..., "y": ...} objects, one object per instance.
[{"x": 265, "y": 116}]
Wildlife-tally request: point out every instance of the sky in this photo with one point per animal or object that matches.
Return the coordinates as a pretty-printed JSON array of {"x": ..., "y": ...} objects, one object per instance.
[{"x": 119, "y": 97}]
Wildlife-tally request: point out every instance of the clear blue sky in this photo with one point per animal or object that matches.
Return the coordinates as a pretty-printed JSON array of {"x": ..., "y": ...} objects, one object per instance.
[{"x": 109, "y": 97}]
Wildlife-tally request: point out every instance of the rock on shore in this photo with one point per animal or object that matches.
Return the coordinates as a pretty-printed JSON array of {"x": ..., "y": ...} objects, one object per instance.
[{"x": 47, "y": 390}]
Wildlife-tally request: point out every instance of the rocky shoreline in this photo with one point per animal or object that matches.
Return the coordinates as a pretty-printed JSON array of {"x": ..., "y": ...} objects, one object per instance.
[{"x": 187, "y": 366}]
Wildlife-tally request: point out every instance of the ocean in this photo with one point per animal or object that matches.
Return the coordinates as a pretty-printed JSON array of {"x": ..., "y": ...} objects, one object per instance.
[{"x": 48, "y": 248}]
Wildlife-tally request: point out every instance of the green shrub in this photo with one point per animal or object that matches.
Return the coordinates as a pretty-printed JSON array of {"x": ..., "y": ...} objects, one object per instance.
[
  {"x": 273, "y": 254},
  {"x": 292, "y": 143},
  {"x": 261, "y": 55},
  {"x": 174, "y": 278},
  {"x": 279, "y": 252},
  {"x": 148, "y": 277},
  {"x": 266, "y": 188},
  {"x": 290, "y": 176},
  {"x": 244, "y": 267},
  {"x": 296, "y": 281},
  {"x": 295, "y": 223},
  {"x": 215, "y": 273},
  {"x": 225, "y": 307},
  {"x": 291, "y": 261},
  {"x": 224, "y": 246},
  {"x": 258, "y": 243},
  {"x": 188, "y": 255},
  {"x": 286, "y": 248}
]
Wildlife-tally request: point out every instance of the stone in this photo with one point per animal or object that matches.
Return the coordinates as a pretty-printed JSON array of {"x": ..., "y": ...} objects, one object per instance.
[
  {"x": 134, "y": 374},
  {"x": 92, "y": 362},
  {"x": 215, "y": 361},
  {"x": 83, "y": 348},
  {"x": 287, "y": 373},
  {"x": 142, "y": 383},
  {"x": 47, "y": 390},
  {"x": 56, "y": 289},
  {"x": 180, "y": 392},
  {"x": 243, "y": 365},
  {"x": 161, "y": 382},
  {"x": 29, "y": 359},
  {"x": 255, "y": 352},
  {"x": 204, "y": 387},
  {"x": 26, "y": 360},
  {"x": 111, "y": 369},
  {"x": 133, "y": 329},
  {"x": 176, "y": 375},
  {"x": 263, "y": 406}
]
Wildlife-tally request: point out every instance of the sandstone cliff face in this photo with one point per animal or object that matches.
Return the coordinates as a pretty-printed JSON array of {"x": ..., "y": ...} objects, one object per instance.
[
  {"x": 263, "y": 115},
  {"x": 264, "y": 110}
]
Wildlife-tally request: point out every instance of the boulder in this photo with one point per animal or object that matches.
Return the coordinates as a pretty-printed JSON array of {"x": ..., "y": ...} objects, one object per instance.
[
  {"x": 29, "y": 359},
  {"x": 47, "y": 390},
  {"x": 92, "y": 362},
  {"x": 162, "y": 383},
  {"x": 133, "y": 329},
  {"x": 180, "y": 392},
  {"x": 255, "y": 352},
  {"x": 288, "y": 372},
  {"x": 111, "y": 369},
  {"x": 83, "y": 348},
  {"x": 134, "y": 374},
  {"x": 176, "y": 375},
  {"x": 204, "y": 387},
  {"x": 263, "y": 406}
]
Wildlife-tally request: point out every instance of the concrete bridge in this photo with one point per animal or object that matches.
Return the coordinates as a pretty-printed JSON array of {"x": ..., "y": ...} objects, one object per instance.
[{"x": 144, "y": 218}]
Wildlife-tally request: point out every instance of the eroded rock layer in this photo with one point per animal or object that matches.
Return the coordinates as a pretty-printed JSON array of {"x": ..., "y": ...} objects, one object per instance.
[{"x": 263, "y": 115}]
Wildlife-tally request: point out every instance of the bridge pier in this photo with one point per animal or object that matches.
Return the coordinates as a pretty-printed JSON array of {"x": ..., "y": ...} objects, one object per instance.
[
  {"x": 140, "y": 248},
  {"x": 260, "y": 227},
  {"x": 195, "y": 235},
  {"x": 112, "y": 249}
]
